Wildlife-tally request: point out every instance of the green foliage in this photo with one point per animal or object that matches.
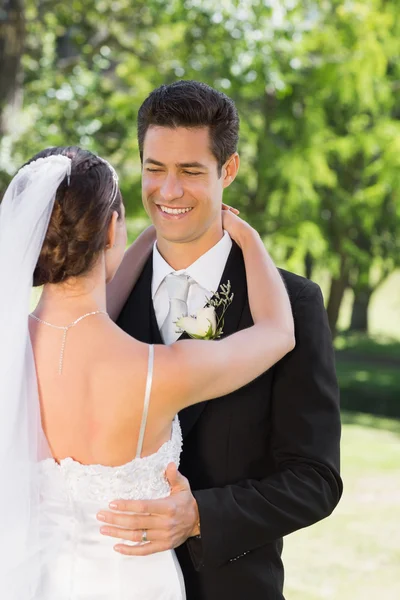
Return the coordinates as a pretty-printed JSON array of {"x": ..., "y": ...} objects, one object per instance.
[
  {"x": 368, "y": 370},
  {"x": 369, "y": 387},
  {"x": 378, "y": 348},
  {"x": 316, "y": 85}
]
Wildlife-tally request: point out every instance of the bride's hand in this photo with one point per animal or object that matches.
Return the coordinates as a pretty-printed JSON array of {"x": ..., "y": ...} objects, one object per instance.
[
  {"x": 231, "y": 208},
  {"x": 235, "y": 226}
]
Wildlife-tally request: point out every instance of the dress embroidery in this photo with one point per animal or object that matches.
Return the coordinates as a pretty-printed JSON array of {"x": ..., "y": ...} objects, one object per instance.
[{"x": 141, "y": 478}]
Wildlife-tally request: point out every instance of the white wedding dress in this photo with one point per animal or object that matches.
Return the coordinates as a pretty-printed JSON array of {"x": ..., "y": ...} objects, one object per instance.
[{"x": 82, "y": 563}]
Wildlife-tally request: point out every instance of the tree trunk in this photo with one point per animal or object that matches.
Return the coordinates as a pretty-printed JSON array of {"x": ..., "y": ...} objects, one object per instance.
[
  {"x": 12, "y": 36},
  {"x": 308, "y": 264},
  {"x": 258, "y": 205},
  {"x": 359, "y": 315},
  {"x": 338, "y": 288}
]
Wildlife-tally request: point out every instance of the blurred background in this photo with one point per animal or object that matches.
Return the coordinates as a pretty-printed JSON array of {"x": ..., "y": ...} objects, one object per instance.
[{"x": 317, "y": 85}]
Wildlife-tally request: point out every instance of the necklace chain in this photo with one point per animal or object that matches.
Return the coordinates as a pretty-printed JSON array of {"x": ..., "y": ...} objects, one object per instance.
[{"x": 65, "y": 329}]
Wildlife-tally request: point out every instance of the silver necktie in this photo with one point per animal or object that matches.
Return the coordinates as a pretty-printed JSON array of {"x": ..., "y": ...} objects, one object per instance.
[{"x": 178, "y": 289}]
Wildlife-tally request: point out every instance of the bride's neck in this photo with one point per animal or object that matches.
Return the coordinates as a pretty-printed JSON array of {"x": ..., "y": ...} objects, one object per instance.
[{"x": 77, "y": 296}]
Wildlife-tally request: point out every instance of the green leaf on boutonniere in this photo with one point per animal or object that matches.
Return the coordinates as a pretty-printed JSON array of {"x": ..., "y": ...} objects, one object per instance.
[
  {"x": 209, "y": 335},
  {"x": 222, "y": 299},
  {"x": 201, "y": 326}
]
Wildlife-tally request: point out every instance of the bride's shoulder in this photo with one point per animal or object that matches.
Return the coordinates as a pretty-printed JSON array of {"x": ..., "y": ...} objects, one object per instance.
[
  {"x": 129, "y": 357},
  {"x": 118, "y": 364},
  {"x": 121, "y": 346}
]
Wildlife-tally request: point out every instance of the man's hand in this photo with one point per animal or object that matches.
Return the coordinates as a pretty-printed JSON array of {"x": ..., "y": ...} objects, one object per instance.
[{"x": 168, "y": 522}]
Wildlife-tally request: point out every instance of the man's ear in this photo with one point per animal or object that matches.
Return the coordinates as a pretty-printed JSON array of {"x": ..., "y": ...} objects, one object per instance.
[
  {"x": 112, "y": 230},
  {"x": 230, "y": 169}
]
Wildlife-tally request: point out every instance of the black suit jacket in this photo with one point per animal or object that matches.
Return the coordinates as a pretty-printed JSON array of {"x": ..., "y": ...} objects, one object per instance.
[{"x": 262, "y": 462}]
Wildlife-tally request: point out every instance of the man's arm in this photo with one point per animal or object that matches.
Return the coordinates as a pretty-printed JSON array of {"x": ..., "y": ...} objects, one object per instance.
[{"x": 306, "y": 486}]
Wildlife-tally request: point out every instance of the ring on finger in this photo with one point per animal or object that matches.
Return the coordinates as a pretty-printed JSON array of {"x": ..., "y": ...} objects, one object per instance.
[{"x": 144, "y": 536}]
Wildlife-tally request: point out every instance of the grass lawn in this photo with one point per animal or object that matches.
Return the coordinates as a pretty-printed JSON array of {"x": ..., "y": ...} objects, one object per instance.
[{"x": 355, "y": 553}]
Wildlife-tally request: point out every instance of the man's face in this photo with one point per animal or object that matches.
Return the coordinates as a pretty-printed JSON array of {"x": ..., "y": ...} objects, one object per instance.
[{"x": 181, "y": 188}]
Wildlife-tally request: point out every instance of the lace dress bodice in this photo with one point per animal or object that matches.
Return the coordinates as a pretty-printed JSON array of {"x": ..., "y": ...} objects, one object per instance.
[{"x": 141, "y": 478}]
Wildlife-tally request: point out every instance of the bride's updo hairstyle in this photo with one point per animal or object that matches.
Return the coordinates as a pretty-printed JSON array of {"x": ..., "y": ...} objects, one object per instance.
[{"x": 78, "y": 227}]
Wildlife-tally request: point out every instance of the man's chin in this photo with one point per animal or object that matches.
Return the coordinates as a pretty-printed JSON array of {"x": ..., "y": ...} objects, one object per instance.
[
  {"x": 181, "y": 235},
  {"x": 172, "y": 233},
  {"x": 175, "y": 239}
]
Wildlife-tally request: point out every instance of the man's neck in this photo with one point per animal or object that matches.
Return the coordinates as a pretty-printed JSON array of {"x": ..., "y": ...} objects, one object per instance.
[{"x": 182, "y": 255}]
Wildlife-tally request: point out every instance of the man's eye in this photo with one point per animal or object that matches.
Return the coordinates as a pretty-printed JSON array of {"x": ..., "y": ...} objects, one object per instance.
[
  {"x": 191, "y": 173},
  {"x": 154, "y": 170}
]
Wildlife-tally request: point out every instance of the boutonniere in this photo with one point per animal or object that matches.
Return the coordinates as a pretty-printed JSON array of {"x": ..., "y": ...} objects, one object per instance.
[{"x": 207, "y": 323}]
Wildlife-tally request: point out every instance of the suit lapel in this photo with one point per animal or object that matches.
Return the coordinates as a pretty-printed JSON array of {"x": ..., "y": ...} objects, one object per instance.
[
  {"x": 138, "y": 317},
  {"x": 156, "y": 335},
  {"x": 235, "y": 273},
  {"x": 149, "y": 323}
]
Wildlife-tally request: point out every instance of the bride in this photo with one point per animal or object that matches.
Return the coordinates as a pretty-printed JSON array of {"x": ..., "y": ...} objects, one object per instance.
[{"x": 87, "y": 412}]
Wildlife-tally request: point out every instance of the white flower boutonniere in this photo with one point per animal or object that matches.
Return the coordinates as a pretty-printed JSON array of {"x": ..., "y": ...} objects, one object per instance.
[
  {"x": 206, "y": 324},
  {"x": 200, "y": 326}
]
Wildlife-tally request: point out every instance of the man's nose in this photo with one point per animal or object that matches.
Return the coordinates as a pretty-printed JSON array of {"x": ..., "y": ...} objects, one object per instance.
[{"x": 171, "y": 188}]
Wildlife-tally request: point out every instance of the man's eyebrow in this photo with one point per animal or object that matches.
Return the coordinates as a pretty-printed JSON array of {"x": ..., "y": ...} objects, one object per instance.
[
  {"x": 188, "y": 165},
  {"x": 191, "y": 165},
  {"x": 154, "y": 162}
]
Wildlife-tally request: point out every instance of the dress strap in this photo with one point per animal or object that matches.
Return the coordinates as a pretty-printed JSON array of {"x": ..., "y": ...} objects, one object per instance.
[{"x": 149, "y": 382}]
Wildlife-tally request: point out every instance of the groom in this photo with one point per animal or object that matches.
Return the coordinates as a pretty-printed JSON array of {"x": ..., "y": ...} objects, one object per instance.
[{"x": 263, "y": 462}]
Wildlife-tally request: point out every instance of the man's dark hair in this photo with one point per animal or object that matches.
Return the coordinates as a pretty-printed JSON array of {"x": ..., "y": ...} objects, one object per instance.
[{"x": 192, "y": 104}]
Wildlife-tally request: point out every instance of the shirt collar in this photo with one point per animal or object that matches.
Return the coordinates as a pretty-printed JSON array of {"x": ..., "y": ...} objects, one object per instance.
[
  {"x": 160, "y": 270},
  {"x": 206, "y": 270}
]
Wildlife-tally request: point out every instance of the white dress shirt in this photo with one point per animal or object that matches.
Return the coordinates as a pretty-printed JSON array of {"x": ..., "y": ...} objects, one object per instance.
[{"x": 206, "y": 272}]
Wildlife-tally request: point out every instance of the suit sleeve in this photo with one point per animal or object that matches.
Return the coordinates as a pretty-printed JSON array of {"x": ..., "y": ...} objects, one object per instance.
[{"x": 305, "y": 435}]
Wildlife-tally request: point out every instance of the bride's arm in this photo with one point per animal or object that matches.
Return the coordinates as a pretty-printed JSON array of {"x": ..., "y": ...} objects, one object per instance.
[
  {"x": 129, "y": 271},
  {"x": 191, "y": 371}
]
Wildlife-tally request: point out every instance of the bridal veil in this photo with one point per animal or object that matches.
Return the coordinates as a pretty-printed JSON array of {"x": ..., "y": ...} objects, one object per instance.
[{"x": 24, "y": 218}]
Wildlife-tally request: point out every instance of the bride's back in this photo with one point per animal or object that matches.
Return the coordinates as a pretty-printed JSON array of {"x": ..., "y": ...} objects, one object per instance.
[{"x": 92, "y": 411}]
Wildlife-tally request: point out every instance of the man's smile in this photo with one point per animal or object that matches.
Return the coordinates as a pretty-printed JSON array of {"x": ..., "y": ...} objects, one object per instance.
[{"x": 176, "y": 212}]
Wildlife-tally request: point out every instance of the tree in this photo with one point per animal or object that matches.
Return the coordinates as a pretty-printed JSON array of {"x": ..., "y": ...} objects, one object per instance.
[
  {"x": 86, "y": 71},
  {"x": 317, "y": 87},
  {"x": 12, "y": 36}
]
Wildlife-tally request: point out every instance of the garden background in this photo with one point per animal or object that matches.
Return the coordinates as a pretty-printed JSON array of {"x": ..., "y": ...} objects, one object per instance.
[{"x": 317, "y": 85}]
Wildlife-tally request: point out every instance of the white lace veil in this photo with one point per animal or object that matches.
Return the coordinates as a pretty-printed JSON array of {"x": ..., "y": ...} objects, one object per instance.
[{"x": 24, "y": 217}]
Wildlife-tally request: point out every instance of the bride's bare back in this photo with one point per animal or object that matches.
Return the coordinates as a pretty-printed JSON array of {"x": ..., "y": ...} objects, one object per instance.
[{"x": 92, "y": 412}]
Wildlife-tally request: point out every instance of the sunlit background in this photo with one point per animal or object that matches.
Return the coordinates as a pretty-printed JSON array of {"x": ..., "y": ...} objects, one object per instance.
[{"x": 317, "y": 85}]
